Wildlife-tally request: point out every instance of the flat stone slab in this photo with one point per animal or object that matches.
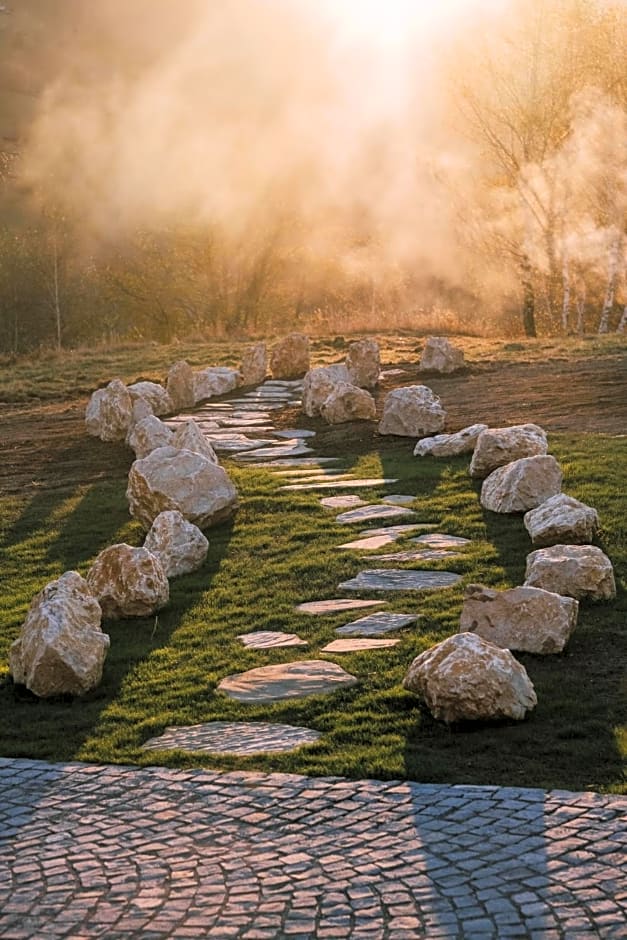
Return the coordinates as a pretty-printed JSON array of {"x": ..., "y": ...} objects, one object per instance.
[
  {"x": 342, "y": 502},
  {"x": 299, "y": 472},
  {"x": 245, "y": 404},
  {"x": 399, "y": 579},
  {"x": 234, "y": 444},
  {"x": 278, "y": 451},
  {"x": 396, "y": 531},
  {"x": 376, "y": 511},
  {"x": 269, "y": 639},
  {"x": 301, "y": 462},
  {"x": 242, "y": 421},
  {"x": 334, "y": 606},
  {"x": 233, "y": 737},
  {"x": 337, "y": 484},
  {"x": 425, "y": 554},
  {"x": 371, "y": 543},
  {"x": 286, "y": 681},
  {"x": 377, "y": 624},
  {"x": 441, "y": 540},
  {"x": 293, "y": 433},
  {"x": 398, "y": 499},
  {"x": 356, "y": 645}
]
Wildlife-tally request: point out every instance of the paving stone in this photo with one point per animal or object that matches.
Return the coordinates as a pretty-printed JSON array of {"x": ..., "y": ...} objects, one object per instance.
[
  {"x": 335, "y": 605},
  {"x": 356, "y": 645},
  {"x": 377, "y": 624},
  {"x": 270, "y": 639},
  {"x": 233, "y": 737},
  {"x": 350, "y": 500},
  {"x": 398, "y": 499},
  {"x": 251, "y": 420},
  {"x": 234, "y": 443},
  {"x": 277, "y": 451},
  {"x": 298, "y": 472},
  {"x": 375, "y": 511},
  {"x": 396, "y": 531},
  {"x": 301, "y": 462},
  {"x": 426, "y": 554},
  {"x": 340, "y": 480},
  {"x": 338, "y": 484},
  {"x": 441, "y": 540},
  {"x": 295, "y": 433},
  {"x": 399, "y": 579},
  {"x": 286, "y": 681}
]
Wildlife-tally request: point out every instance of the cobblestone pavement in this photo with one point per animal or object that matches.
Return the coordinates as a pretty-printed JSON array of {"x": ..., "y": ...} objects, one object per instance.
[{"x": 106, "y": 851}]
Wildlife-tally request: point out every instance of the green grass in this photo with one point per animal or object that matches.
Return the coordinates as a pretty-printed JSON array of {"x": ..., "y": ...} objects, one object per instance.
[{"x": 280, "y": 551}]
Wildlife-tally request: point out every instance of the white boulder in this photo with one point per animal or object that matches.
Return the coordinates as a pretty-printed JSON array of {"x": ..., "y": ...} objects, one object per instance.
[
  {"x": 180, "y": 385},
  {"x": 188, "y": 436},
  {"x": 128, "y": 582},
  {"x": 363, "y": 361},
  {"x": 217, "y": 380},
  {"x": 465, "y": 678},
  {"x": 450, "y": 445},
  {"x": 521, "y": 484},
  {"x": 154, "y": 395},
  {"x": 523, "y": 618},
  {"x": 109, "y": 412},
  {"x": 348, "y": 403},
  {"x": 581, "y": 571},
  {"x": 179, "y": 545},
  {"x": 439, "y": 355},
  {"x": 169, "y": 478},
  {"x": 561, "y": 520},
  {"x": 254, "y": 367},
  {"x": 289, "y": 359},
  {"x": 497, "y": 446},
  {"x": 413, "y": 411},
  {"x": 61, "y": 649},
  {"x": 147, "y": 434},
  {"x": 318, "y": 385}
]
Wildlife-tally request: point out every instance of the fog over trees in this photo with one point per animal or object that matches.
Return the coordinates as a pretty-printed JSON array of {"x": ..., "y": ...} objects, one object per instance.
[{"x": 169, "y": 170}]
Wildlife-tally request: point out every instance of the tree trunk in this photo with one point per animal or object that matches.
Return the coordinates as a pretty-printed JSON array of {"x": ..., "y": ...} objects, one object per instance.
[
  {"x": 529, "y": 299},
  {"x": 581, "y": 307},
  {"x": 623, "y": 322},
  {"x": 57, "y": 305},
  {"x": 612, "y": 277},
  {"x": 566, "y": 295}
]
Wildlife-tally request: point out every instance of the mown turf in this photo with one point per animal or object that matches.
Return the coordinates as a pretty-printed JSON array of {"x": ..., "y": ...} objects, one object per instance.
[{"x": 280, "y": 551}]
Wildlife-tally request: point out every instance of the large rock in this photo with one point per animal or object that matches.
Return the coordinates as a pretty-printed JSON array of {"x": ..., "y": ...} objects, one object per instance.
[
  {"x": 154, "y": 395},
  {"x": 450, "y": 445},
  {"x": 217, "y": 380},
  {"x": 188, "y": 436},
  {"x": 128, "y": 582},
  {"x": 521, "y": 484},
  {"x": 440, "y": 356},
  {"x": 179, "y": 479},
  {"x": 348, "y": 403},
  {"x": 289, "y": 359},
  {"x": 412, "y": 411},
  {"x": 466, "y": 678},
  {"x": 180, "y": 385},
  {"x": 497, "y": 446},
  {"x": 109, "y": 412},
  {"x": 61, "y": 649},
  {"x": 363, "y": 362},
  {"x": 561, "y": 520},
  {"x": 318, "y": 385},
  {"x": 147, "y": 434},
  {"x": 179, "y": 545},
  {"x": 523, "y": 618},
  {"x": 581, "y": 571},
  {"x": 254, "y": 365}
]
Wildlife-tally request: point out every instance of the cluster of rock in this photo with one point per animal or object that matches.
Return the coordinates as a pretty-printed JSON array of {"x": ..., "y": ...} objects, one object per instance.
[{"x": 338, "y": 393}]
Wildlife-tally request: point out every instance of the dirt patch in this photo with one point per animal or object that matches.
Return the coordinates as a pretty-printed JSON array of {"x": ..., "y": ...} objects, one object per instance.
[{"x": 47, "y": 446}]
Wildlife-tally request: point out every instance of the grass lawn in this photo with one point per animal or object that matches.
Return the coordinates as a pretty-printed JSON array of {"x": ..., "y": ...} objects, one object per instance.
[{"x": 280, "y": 551}]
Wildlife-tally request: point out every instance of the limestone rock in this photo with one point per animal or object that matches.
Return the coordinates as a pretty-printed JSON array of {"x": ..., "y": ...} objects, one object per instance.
[
  {"x": 188, "y": 436},
  {"x": 179, "y": 545},
  {"x": 465, "y": 678},
  {"x": 522, "y": 484},
  {"x": 141, "y": 409},
  {"x": 180, "y": 385},
  {"x": 109, "y": 412},
  {"x": 217, "y": 380},
  {"x": 497, "y": 446},
  {"x": 318, "y": 385},
  {"x": 561, "y": 520},
  {"x": 363, "y": 362},
  {"x": 440, "y": 356},
  {"x": 179, "y": 479},
  {"x": 289, "y": 359},
  {"x": 154, "y": 395},
  {"x": 61, "y": 649},
  {"x": 128, "y": 582},
  {"x": 523, "y": 618},
  {"x": 450, "y": 445},
  {"x": 147, "y": 434},
  {"x": 412, "y": 411},
  {"x": 348, "y": 403},
  {"x": 581, "y": 571},
  {"x": 254, "y": 365}
]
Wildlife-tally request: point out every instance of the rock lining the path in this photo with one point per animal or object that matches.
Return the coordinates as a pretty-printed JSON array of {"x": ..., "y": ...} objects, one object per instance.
[
  {"x": 561, "y": 520},
  {"x": 579, "y": 571},
  {"x": 522, "y": 484},
  {"x": 233, "y": 737},
  {"x": 496, "y": 447},
  {"x": 412, "y": 411},
  {"x": 286, "y": 681},
  {"x": 450, "y": 445}
]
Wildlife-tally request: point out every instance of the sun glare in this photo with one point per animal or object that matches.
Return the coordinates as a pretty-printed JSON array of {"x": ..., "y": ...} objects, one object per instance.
[{"x": 389, "y": 22}]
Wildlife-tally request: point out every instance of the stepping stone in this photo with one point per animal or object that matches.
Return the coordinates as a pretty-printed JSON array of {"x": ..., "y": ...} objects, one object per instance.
[
  {"x": 397, "y": 530},
  {"x": 377, "y": 624},
  {"x": 269, "y": 639},
  {"x": 234, "y": 444},
  {"x": 427, "y": 554},
  {"x": 247, "y": 416},
  {"x": 278, "y": 451},
  {"x": 376, "y": 511},
  {"x": 245, "y": 404},
  {"x": 377, "y": 538},
  {"x": 296, "y": 384},
  {"x": 315, "y": 482},
  {"x": 357, "y": 645},
  {"x": 322, "y": 472},
  {"x": 294, "y": 433},
  {"x": 301, "y": 462},
  {"x": 342, "y": 502},
  {"x": 440, "y": 540},
  {"x": 398, "y": 500},
  {"x": 334, "y": 606},
  {"x": 244, "y": 429},
  {"x": 233, "y": 737},
  {"x": 399, "y": 579},
  {"x": 241, "y": 421},
  {"x": 337, "y": 484},
  {"x": 286, "y": 681}
]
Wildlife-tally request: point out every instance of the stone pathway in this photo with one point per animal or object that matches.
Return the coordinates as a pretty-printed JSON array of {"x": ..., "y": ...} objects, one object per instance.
[
  {"x": 102, "y": 851},
  {"x": 233, "y": 737},
  {"x": 286, "y": 681},
  {"x": 399, "y": 579}
]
